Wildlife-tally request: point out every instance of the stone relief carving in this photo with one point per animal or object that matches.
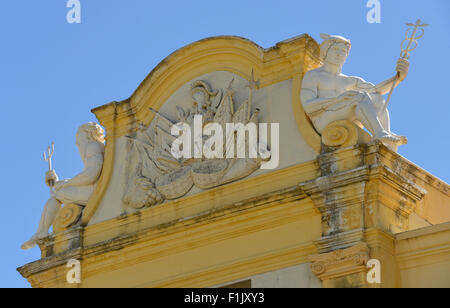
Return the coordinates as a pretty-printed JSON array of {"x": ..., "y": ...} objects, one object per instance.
[
  {"x": 154, "y": 175},
  {"x": 340, "y": 262},
  {"x": 74, "y": 193},
  {"x": 329, "y": 96}
]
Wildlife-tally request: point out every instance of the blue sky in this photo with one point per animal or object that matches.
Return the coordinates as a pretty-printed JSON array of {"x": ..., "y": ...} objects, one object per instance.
[{"x": 53, "y": 73}]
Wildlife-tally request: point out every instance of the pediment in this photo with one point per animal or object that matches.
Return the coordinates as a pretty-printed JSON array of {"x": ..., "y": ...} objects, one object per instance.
[{"x": 138, "y": 171}]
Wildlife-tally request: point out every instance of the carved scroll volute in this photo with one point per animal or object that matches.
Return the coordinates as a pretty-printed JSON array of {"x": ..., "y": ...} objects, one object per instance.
[
  {"x": 340, "y": 262},
  {"x": 340, "y": 134},
  {"x": 344, "y": 133},
  {"x": 67, "y": 217}
]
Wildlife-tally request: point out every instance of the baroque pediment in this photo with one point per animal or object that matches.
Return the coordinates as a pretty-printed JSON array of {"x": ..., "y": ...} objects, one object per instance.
[
  {"x": 225, "y": 80},
  {"x": 216, "y": 163}
]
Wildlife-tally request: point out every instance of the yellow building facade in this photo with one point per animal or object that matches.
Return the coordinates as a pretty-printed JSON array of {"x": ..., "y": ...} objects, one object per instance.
[{"x": 333, "y": 204}]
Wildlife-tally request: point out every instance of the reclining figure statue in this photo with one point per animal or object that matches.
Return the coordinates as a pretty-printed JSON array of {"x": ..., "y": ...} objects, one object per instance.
[
  {"x": 78, "y": 190},
  {"x": 327, "y": 95}
]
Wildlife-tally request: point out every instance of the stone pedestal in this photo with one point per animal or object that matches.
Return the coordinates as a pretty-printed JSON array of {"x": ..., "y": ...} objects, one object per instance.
[{"x": 363, "y": 202}]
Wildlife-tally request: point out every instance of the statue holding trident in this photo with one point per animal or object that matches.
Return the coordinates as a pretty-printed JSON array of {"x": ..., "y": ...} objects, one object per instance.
[
  {"x": 77, "y": 190},
  {"x": 328, "y": 95}
]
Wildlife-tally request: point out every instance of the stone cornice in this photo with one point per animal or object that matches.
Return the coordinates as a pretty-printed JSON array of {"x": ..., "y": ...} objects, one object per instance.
[
  {"x": 272, "y": 209},
  {"x": 423, "y": 246}
]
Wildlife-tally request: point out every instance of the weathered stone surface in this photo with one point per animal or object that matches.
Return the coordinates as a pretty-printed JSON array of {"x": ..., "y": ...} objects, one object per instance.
[{"x": 336, "y": 199}]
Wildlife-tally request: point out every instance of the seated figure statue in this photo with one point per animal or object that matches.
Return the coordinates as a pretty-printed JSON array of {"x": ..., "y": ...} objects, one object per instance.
[
  {"x": 78, "y": 190},
  {"x": 327, "y": 95}
]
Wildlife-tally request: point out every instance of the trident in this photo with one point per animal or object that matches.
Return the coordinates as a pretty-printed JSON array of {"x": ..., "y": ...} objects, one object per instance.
[
  {"x": 48, "y": 158},
  {"x": 405, "y": 54}
]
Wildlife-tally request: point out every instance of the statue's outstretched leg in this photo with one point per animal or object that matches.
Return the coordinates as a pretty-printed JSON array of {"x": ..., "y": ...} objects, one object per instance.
[
  {"x": 48, "y": 216},
  {"x": 383, "y": 115},
  {"x": 379, "y": 127}
]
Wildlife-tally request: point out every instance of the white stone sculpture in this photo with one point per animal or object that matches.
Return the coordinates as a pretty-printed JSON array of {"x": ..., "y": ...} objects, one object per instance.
[
  {"x": 78, "y": 190},
  {"x": 155, "y": 175},
  {"x": 328, "y": 95}
]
